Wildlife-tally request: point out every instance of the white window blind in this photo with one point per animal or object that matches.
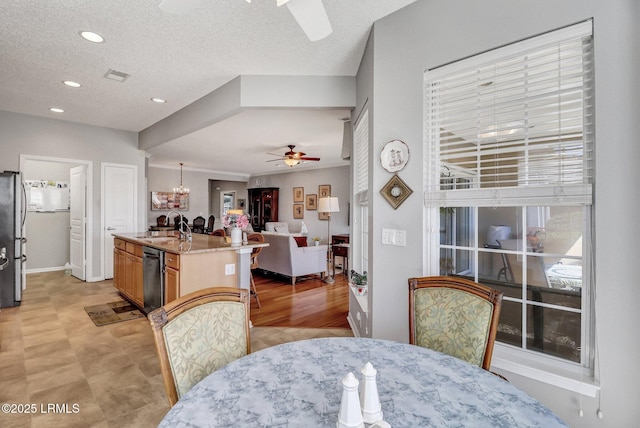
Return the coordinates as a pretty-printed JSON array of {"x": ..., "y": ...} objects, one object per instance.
[
  {"x": 515, "y": 124},
  {"x": 361, "y": 158}
]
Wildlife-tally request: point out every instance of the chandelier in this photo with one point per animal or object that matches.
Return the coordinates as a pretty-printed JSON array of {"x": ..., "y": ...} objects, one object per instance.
[{"x": 181, "y": 190}]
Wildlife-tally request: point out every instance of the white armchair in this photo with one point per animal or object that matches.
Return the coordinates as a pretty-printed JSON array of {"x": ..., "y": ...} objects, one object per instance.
[{"x": 283, "y": 256}]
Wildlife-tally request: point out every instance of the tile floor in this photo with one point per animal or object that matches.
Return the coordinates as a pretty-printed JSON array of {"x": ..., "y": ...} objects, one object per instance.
[{"x": 51, "y": 353}]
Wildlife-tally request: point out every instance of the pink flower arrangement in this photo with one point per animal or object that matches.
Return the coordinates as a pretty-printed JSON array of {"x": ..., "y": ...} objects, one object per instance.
[{"x": 235, "y": 220}]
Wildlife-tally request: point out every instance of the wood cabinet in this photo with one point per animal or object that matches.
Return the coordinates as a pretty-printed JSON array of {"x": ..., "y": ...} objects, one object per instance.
[
  {"x": 263, "y": 206},
  {"x": 127, "y": 271},
  {"x": 171, "y": 277}
]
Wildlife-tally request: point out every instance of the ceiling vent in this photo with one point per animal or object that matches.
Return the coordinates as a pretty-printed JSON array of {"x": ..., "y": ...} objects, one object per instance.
[{"x": 118, "y": 76}]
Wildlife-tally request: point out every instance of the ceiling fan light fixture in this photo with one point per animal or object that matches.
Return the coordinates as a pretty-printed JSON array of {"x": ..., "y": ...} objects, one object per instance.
[{"x": 291, "y": 162}]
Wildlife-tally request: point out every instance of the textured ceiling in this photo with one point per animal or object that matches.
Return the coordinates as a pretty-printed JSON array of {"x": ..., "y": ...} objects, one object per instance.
[{"x": 181, "y": 59}]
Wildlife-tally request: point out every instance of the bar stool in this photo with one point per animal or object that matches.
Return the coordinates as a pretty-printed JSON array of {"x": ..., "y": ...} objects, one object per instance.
[{"x": 255, "y": 237}]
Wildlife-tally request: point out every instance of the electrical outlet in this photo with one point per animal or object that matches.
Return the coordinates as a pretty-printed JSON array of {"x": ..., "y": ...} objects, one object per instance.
[{"x": 229, "y": 269}]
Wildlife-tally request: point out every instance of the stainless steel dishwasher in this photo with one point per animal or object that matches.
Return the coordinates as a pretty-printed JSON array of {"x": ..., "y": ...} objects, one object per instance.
[{"x": 153, "y": 275}]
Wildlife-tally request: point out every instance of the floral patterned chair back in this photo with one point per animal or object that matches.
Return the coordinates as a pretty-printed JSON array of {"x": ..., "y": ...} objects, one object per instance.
[
  {"x": 198, "y": 333},
  {"x": 455, "y": 316}
]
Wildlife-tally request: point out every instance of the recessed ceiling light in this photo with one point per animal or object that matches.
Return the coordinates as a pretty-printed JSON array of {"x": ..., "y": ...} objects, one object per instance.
[
  {"x": 91, "y": 36},
  {"x": 72, "y": 84},
  {"x": 158, "y": 100},
  {"x": 56, "y": 110}
]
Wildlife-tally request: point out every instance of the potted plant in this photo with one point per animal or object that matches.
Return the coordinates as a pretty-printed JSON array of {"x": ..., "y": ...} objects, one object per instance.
[
  {"x": 316, "y": 240},
  {"x": 360, "y": 282}
]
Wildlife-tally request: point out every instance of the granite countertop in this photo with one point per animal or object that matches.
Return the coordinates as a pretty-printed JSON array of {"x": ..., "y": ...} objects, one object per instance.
[{"x": 170, "y": 242}]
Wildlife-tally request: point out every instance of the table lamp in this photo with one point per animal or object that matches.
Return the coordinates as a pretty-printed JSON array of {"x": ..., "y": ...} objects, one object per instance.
[{"x": 329, "y": 205}]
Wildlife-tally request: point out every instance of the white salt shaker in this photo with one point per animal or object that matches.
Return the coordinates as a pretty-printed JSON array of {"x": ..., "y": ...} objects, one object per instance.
[
  {"x": 369, "y": 398},
  {"x": 350, "y": 415}
]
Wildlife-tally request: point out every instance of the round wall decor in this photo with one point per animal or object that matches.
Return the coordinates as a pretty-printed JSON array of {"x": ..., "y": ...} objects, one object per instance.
[{"x": 394, "y": 155}]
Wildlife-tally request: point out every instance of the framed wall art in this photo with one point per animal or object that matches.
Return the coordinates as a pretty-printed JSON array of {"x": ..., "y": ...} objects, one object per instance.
[
  {"x": 298, "y": 211},
  {"x": 324, "y": 190},
  {"x": 312, "y": 202},
  {"x": 298, "y": 194},
  {"x": 168, "y": 201},
  {"x": 396, "y": 191}
]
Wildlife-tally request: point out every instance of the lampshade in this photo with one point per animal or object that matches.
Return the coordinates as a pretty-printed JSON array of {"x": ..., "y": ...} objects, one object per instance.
[
  {"x": 328, "y": 205},
  {"x": 291, "y": 161}
]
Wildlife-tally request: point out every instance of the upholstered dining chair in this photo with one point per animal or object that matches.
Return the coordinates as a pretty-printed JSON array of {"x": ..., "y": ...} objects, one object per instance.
[
  {"x": 198, "y": 224},
  {"x": 455, "y": 316},
  {"x": 255, "y": 237},
  {"x": 210, "y": 223},
  {"x": 161, "y": 220},
  {"x": 218, "y": 232},
  {"x": 198, "y": 333}
]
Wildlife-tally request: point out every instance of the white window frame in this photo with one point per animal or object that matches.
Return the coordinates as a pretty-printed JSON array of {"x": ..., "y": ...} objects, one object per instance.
[
  {"x": 576, "y": 377},
  {"x": 360, "y": 241}
]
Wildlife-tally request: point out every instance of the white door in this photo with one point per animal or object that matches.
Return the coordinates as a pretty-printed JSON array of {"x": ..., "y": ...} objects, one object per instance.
[
  {"x": 77, "y": 215},
  {"x": 118, "y": 205}
]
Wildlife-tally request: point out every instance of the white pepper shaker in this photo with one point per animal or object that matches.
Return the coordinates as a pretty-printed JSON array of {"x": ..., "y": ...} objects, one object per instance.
[{"x": 369, "y": 398}]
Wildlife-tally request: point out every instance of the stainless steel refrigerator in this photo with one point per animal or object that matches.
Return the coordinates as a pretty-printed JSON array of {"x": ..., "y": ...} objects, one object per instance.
[{"x": 12, "y": 215}]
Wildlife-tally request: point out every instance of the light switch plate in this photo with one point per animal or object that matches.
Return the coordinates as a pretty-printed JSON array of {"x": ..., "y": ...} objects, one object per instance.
[{"x": 229, "y": 269}]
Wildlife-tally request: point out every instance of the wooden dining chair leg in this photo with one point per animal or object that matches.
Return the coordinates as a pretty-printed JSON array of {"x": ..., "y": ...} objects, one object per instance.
[{"x": 254, "y": 292}]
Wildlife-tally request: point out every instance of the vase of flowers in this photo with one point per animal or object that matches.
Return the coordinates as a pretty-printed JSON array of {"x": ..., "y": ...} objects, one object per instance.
[
  {"x": 236, "y": 223},
  {"x": 316, "y": 240}
]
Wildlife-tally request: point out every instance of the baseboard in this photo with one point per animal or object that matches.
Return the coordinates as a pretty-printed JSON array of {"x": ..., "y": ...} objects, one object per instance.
[{"x": 40, "y": 270}]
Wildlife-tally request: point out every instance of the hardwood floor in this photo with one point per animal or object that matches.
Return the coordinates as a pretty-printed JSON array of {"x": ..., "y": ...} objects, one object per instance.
[
  {"x": 310, "y": 303},
  {"x": 51, "y": 353}
]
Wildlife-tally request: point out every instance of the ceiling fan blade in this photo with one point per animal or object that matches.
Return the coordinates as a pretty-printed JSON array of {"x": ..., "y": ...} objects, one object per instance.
[
  {"x": 312, "y": 18},
  {"x": 181, "y": 7},
  {"x": 309, "y": 159}
]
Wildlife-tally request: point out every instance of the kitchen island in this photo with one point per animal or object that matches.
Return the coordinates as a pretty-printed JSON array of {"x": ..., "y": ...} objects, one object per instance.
[{"x": 205, "y": 261}]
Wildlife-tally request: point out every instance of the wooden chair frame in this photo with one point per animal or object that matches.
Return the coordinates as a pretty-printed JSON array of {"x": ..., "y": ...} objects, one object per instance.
[
  {"x": 479, "y": 290},
  {"x": 161, "y": 316},
  {"x": 255, "y": 237}
]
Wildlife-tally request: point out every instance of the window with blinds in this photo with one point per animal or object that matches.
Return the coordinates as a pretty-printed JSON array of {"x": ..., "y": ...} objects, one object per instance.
[
  {"x": 519, "y": 117},
  {"x": 361, "y": 158},
  {"x": 508, "y": 175}
]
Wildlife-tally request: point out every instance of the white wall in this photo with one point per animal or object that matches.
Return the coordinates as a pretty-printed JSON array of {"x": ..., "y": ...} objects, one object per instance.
[
  {"x": 40, "y": 136},
  {"x": 430, "y": 33},
  {"x": 337, "y": 177}
]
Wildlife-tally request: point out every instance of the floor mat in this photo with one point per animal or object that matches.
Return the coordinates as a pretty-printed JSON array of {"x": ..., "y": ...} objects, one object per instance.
[{"x": 109, "y": 313}]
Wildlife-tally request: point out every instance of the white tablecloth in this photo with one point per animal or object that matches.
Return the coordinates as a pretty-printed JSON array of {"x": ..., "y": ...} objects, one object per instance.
[{"x": 299, "y": 385}]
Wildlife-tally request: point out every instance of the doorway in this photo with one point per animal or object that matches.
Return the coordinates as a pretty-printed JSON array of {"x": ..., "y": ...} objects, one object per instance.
[
  {"x": 47, "y": 227},
  {"x": 119, "y": 207}
]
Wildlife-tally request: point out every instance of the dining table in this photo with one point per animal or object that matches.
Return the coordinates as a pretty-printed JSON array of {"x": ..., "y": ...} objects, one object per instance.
[{"x": 299, "y": 384}]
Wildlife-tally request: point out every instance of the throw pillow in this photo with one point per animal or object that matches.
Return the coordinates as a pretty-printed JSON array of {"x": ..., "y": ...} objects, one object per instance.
[{"x": 301, "y": 241}]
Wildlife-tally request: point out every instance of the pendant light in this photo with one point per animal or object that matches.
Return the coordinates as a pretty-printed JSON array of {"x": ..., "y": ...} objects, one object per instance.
[{"x": 181, "y": 190}]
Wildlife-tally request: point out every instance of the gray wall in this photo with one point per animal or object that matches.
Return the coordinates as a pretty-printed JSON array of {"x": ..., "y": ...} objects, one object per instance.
[
  {"x": 337, "y": 177},
  {"x": 163, "y": 179},
  {"x": 40, "y": 136},
  {"x": 430, "y": 33}
]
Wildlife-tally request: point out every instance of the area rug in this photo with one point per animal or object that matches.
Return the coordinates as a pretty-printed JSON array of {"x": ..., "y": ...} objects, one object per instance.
[{"x": 109, "y": 313}]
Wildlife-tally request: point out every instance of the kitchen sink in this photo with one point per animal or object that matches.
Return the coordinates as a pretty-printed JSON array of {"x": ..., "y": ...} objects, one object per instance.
[{"x": 158, "y": 239}]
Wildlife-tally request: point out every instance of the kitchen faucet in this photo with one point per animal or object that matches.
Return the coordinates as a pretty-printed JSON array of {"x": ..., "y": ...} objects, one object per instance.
[{"x": 184, "y": 236}]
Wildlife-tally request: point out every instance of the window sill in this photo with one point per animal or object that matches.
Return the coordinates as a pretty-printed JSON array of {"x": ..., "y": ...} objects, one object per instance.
[{"x": 526, "y": 364}]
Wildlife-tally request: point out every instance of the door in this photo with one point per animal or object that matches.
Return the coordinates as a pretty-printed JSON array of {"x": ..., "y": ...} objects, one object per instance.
[
  {"x": 120, "y": 183},
  {"x": 77, "y": 216}
]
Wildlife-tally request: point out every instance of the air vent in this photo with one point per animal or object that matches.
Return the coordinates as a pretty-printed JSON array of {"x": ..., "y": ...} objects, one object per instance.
[{"x": 118, "y": 76}]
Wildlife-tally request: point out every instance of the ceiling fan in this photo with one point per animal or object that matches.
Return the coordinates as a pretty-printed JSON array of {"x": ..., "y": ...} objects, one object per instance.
[
  {"x": 310, "y": 14},
  {"x": 292, "y": 158}
]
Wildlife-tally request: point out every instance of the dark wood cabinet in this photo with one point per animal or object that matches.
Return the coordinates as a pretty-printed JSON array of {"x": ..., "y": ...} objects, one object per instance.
[{"x": 263, "y": 206}]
